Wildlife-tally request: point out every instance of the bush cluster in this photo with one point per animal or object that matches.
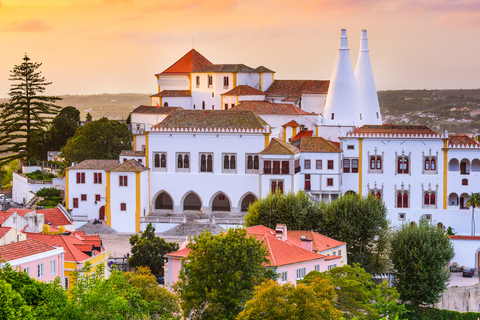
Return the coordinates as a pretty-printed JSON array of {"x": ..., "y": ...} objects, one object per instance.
[{"x": 422, "y": 313}]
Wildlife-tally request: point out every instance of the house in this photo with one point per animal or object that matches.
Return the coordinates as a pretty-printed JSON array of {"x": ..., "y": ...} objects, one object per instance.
[
  {"x": 41, "y": 261},
  {"x": 27, "y": 220},
  {"x": 291, "y": 258},
  {"x": 10, "y": 235}
]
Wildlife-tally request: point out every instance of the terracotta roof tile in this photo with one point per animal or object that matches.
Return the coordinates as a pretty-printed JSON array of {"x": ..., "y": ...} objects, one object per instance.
[
  {"x": 461, "y": 139},
  {"x": 464, "y": 237},
  {"x": 266, "y": 107},
  {"x": 132, "y": 153},
  {"x": 182, "y": 253},
  {"x": 315, "y": 144},
  {"x": 293, "y": 89},
  {"x": 212, "y": 119},
  {"x": 85, "y": 248},
  {"x": 244, "y": 90},
  {"x": 302, "y": 134},
  {"x": 394, "y": 129},
  {"x": 320, "y": 242},
  {"x": 277, "y": 146},
  {"x": 96, "y": 164},
  {"x": 224, "y": 68},
  {"x": 291, "y": 123},
  {"x": 54, "y": 216},
  {"x": 154, "y": 110},
  {"x": 186, "y": 64},
  {"x": 22, "y": 249},
  {"x": 262, "y": 69},
  {"x": 173, "y": 94},
  {"x": 129, "y": 166}
]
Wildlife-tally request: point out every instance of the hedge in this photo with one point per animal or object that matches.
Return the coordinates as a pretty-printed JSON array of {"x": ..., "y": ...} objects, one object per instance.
[{"x": 421, "y": 313}]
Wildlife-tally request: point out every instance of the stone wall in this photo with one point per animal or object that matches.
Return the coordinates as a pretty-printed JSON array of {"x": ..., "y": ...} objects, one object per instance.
[{"x": 461, "y": 299}]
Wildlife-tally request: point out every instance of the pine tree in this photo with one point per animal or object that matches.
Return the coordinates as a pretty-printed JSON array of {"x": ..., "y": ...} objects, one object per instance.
[
  {"x": 89, "y": 117},
  {"x": 27, "y": 114}
]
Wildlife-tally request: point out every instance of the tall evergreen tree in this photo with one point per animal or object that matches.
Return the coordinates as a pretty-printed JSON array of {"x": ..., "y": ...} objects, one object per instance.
[{"x": 28, "y": 112}]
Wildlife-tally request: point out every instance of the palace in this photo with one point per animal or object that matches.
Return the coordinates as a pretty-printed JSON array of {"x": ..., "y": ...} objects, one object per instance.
[{"x": 219, "y": 136}]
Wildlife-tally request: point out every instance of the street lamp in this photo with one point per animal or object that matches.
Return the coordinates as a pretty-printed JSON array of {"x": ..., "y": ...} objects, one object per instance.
[{"x": 104, "y": 198}]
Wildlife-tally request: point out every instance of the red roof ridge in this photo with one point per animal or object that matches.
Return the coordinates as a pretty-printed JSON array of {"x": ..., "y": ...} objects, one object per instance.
[{"x": 192, "y": 60}]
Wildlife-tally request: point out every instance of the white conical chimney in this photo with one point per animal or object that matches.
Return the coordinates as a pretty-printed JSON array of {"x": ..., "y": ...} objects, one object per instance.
[
  {"x": 369, "y": 106},
  {"x": 342, "y": 105}
]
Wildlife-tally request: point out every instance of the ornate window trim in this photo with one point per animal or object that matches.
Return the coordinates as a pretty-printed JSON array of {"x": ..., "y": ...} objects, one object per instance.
[
  {"x": 229, "y": 162},
  {"x": 429, "y": 157},
  {"x": 252, "y": 163},
  {"x": 376, "y": 157},
  {"x": 375, "y": 190},
  {"x": 430, "y": 192},
  {"x": 402, "y": 191},
  {"x": 205, "y": 162},
  {"x": 403, "y": 156},
  {"x": 186, "y": 163},
  {"x": 160, "y": 162}
]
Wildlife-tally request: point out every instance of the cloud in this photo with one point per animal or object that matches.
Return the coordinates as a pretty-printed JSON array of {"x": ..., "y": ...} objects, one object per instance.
[{"x": 32, "y": 25}]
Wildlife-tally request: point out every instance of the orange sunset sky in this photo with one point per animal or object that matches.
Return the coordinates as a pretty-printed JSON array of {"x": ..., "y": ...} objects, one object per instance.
[{"x": 115, "y": 46}]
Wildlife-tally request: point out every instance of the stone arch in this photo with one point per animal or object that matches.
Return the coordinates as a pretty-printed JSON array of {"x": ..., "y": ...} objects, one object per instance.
[
  {"x": 441, "y": 226},
  {"x": 463, "y": 200},
  {"x": 192, "y": 201},
  {"x": 165, "y": 104},
  {"x": 350, "y": 192},
  {"x": 453, "y": 165},
  {"x": 465, "y": 166},
  {"x": 220, "y": 202},
  {"x": 246, "y": 200},
  {"x": 163, "y": 201},
  {"x": 476, "y": 165},
  {"x": 453, "y": 199}
]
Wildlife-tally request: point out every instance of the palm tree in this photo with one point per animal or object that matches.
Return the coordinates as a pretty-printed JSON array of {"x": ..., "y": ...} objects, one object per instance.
[{"x": 473, "y": 201}]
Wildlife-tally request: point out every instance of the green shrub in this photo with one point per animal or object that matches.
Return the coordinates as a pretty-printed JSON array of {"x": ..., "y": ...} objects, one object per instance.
[
  {"x": 48, "y": 193},
  {"x": 419, "y": 313}
]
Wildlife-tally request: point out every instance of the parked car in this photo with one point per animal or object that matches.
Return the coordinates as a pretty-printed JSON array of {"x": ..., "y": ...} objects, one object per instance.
[
  {"x": 455, "y": 268},
  {"x": 160, "y": 279},
  {"x": 468, "y": 272}
]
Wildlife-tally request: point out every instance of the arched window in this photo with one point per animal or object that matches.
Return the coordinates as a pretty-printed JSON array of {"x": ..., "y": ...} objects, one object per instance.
[
  {"x": 157, "y": 160},
  {"x": 372, "y": 163},
  {"x": 226, "y": 163},
  {"x": 432, "y": 199},
  {"x": 379, "y": 195},
  {"x": 232, "y": 162},
  {"x": 186, "y": 162},
  {"x": 249, "y": 162},
  {"x": 427, "y": 164},
  {"x": 426, "y": 200},
  {"x": 203, "y": 105},
  {"x": 203, "y": 163},
  {"x": 180, "y": 161},
  {"x": 209, "y": 163},
  {"x": 399, "y": 200},
  {"x": 405, "y": 200},
  {"x": 255, "y": 163},
  {"x": 402, "y": 165},
  {"x": 402, "y": 199},
  {"x": 379, "y": 163},
  {"x": 165, "y": 104},
  {"x": 163, "y": 160},
  {"x": 433, "y": 164}
]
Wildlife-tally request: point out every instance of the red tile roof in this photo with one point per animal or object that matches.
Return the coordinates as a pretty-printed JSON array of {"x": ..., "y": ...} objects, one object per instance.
[
  {"x": 464, "y": 237},
  {"x": 293, "y": 89},
  {"x": 244, "y": 90},
  {"x": 173, "y": 94},
  {"x": 129, "y": 166},
  {"x": 394, "y": 129},
  {"x": 262, "y": 69},
  {"x": 291, "y": 123},
  {"x": 154, "y": 110},
  {"x": 319, "y": 243},
  {"x": 212, "y": 119},
  {"x": 303, "y": 133},
  {"x": 316, "y": 144},
  {"x": 22, "y": 249},
  {"x": 277, "y": 146},
  {"x": 182, "y": 253},
  {"x": 132, "y": 153},
  {"x": 72, "y": 253},
  {"x": 96, "y": 164},
  {"x": 224, "y": 68},
  {"x": 4, "y": 231},
  {"x": 185, "y": 65},
  {"x": 461, "y": 139},
  {"x": 266, "y": 107},
  {"x": 54, "y": 216}
]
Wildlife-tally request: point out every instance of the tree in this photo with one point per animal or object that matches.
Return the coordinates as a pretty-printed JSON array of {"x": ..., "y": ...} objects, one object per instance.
[
  {"x": 149, "y": 250},
  {"x": 64, "y": 126},
  {"x": 13, "y": 306},
  {"x": 419, "y": 255},
  {"x": 362, "y": 223},
  {"x": 27, "y": 113},
  {"x": 220, "y": 273},
  {"x": 357, "y": 296},
  {"x": 88, "y": 118},
  {"x": 109, "y": 137},
  {"x": 297, "y": 211},
  {"x": 273, "y": 301},
  {"x": 474, "y": 202}
]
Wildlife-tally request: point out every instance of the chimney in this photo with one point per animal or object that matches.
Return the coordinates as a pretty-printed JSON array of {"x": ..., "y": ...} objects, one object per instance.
[
  {"x": 306, "y": 243},
  {"x": 281, "y": 232},
  {"x": 342, "y": 106},
  {"x": 369, "y": 106}
]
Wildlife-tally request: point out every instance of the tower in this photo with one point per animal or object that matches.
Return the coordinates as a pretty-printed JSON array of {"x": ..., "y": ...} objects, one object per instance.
[
  {"x": 369, "y": 106},
  {"x": 342, "y": 106}
]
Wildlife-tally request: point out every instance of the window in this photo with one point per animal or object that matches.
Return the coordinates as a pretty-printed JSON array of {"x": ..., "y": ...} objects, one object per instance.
[
  {"x": 210, "y": 81},
  {"x": 317, "y": 267},
  {"x": 284, "y": 276},
  {"x": 276, "y": 186},
  {"x": 333, "y": 116},
  {"x": 233, "y": 105},
  {"x": 376, "y": 193},
  {"x": 225, "y": 82},
  {"x": 75, "y": 202},
  {"x": 276, "y": 167},
  {"x": 464, "y": 182},
  {"x": 307, "y": 164},
  {"x": 27, "y": 270},
  {"x": 53, "y": 266},
  {"x": 330, "y": 267},
  {"x": 329, "y": 182},
  {"x": 252, "y": 163},
  {"x": 330, "y": 165},
  {"x": 80, "y": 177},
  {"x": 307, "y": 182},
  {"x": 318, "y": 164},
  {"x": 98, "y": 198},
  {"x": 430, "y": 165},
  {"x": 83, "y": 197},
  {"x": 123, "y": 181},
  {"x": 226, "y": 106},
  {"x": 401, "y": 216},
  {"x": 334, "y": 253},
  {"x": 402, "y": 199},
  {"x": 183, "y": 162},
  {"x": 339, "y": 252},
  {"x": 97, "y": 178},
  {"x": 350, "y": 147},
  {"x": 375, "y": 163},
  {"x": 160, "y": 161},
  {"x": 203, "y": 105},
  {"x": 206, "y": 162},
  {"x": 301, "y": 272},
  {"x": 429, "y": 199},
  {"x": 197, "y": 81},
  {"x": 403, "y": 165},
  {"x": 354, "y": 165},
  {"x": 267, "y": 167},
  {"x": 285, "y": 167},
  {"x": 123, "y": 207},
  {"x": 297, "y": 165},
  {"x": 40, "y": 270},
  {"x": 346, "y": 165},
  {"x": 229, "y": 163}
]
